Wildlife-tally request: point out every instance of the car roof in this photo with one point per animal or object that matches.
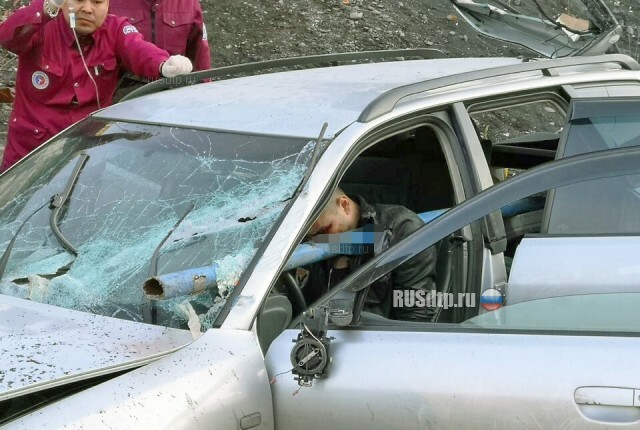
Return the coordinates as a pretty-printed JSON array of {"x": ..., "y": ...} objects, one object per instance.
[{"x": 292, "y": 103}]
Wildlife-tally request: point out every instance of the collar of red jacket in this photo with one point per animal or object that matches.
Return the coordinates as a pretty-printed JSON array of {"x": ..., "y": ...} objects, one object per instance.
[{"x": 67, "y": 34}]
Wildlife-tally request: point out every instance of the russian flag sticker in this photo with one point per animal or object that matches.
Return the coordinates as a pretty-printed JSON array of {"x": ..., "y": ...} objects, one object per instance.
[{"x": 491, "y": 299}]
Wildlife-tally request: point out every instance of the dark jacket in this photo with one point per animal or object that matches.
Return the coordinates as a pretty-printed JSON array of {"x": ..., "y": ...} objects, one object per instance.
[{"x": 416, "y": 274}]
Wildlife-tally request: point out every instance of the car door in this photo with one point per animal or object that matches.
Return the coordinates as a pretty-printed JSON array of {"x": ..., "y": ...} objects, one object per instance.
[
  {"x": 554, "y": 362},
  {"x": 553, "y": 29}
]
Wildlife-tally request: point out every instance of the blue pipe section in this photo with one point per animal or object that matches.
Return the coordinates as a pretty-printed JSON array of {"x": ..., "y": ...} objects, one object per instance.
[
  {"x": 312, "y": 252},
  {"x": 182, "y": 283},
  {"x": 431, "y": 215},
  {"x": 324, "y": 246},
  {"x": 194, "y": 281},
  {"x": 349, "y": 243},
  {"x": 528, "y": 204}
]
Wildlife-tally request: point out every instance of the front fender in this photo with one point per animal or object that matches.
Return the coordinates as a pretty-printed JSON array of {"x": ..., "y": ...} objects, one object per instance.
[{"x": 219, "y": 381}]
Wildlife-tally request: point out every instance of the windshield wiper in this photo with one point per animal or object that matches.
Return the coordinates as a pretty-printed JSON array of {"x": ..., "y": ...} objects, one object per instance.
[
  {"x": 149, "y": 308},
  {"x": 153, "y": 264},
  {"x": 59, "y": 200},
  {"x": 313, "y": 161},
  {"x": 7, "y": 252},
  {"x": 55, "y": 203}
]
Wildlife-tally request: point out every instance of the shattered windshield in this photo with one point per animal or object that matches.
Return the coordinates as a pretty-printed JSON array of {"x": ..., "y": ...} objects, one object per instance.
[{"x": 138, "y": 201}]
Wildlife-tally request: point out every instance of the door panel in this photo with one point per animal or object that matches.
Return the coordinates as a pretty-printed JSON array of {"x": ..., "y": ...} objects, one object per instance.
[
  {"x": 455, "y": 380},
  {"x": 544, "y": 363}
]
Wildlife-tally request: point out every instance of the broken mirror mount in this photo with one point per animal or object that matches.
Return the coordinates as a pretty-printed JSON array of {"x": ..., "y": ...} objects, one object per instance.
[
  {"x": 341, "y": 311},
  {"x": 310, "y": 354}
]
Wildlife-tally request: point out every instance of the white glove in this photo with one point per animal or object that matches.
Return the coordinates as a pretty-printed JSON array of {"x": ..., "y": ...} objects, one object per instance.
[{"x": 176, "y": 65}]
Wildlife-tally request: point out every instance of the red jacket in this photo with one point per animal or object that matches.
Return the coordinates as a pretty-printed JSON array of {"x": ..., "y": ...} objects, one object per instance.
[
  {"x": 174, "y": 25},
  {"x": 53, "y": 90}
]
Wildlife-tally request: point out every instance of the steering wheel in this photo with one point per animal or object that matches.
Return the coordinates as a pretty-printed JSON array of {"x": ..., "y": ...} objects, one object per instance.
[{"x": 294, "y": 293}]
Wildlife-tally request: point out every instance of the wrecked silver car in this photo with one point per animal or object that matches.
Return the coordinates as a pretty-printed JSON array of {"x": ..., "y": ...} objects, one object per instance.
[{"x": 154, "y": 254}]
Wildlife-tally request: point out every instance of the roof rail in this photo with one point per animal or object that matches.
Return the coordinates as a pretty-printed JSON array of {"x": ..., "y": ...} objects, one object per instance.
[
  {"x": 386, "y": 101},
  {"x": 331, "y": 59}
]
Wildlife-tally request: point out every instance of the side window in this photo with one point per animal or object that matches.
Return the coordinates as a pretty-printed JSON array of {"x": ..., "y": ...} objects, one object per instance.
[
  {"x": 557, "y": 282},
  {"x": 408, "y": 169},
  {"x": 392, "y": 188},
  {"x": 418, "y": 184},
  {"x": 518, "y": 136},
  {"x": 575, "y": 278},
  {"x": 608, "y": 206},
  {"x": 597, "y": 125},
  {"x": 512, "y": 123},
  {"x": 389, "y": 191}
]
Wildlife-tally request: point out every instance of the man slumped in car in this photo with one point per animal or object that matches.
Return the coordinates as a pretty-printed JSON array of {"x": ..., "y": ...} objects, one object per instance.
[{"x": 344, "y": 213}]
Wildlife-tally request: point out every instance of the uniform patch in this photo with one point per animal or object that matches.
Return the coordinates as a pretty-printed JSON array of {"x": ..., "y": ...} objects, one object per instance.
[
  {"x": 129, "y": 29},
  {"x": 204, "y": 32},
  {"x": 40, "y": 80}
]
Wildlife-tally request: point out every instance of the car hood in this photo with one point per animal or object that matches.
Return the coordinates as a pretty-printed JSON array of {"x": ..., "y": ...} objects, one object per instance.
[
  {"x": 45, "y": 346},
  {"x": 553, "y": 29}
]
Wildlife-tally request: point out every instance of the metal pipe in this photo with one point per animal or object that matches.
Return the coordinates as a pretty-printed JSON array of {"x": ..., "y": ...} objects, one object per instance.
[
  {"x": 183, "y": 283},
  {"x": 194, "y": 281}
]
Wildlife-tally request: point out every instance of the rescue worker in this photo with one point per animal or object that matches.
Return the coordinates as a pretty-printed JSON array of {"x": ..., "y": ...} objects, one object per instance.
[
  {"x": 174, "y": 25},
  {"x": 66, "y": 73}
]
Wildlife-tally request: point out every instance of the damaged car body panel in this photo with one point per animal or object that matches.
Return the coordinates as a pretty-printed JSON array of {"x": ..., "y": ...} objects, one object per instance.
[
  {"x": 213, "y": 386},
  {"x": 58, "y": 346},
  {"x": 553, "y": 29}
]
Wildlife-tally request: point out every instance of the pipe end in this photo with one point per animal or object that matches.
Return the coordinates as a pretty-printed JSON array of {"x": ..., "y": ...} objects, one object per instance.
[{"x": 153, "y": 288}]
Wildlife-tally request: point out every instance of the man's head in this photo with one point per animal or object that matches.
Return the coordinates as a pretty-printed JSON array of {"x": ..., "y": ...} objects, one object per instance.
[
  {"x": 90, "y": 14},
  {"x": 341, "y": 214}
]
